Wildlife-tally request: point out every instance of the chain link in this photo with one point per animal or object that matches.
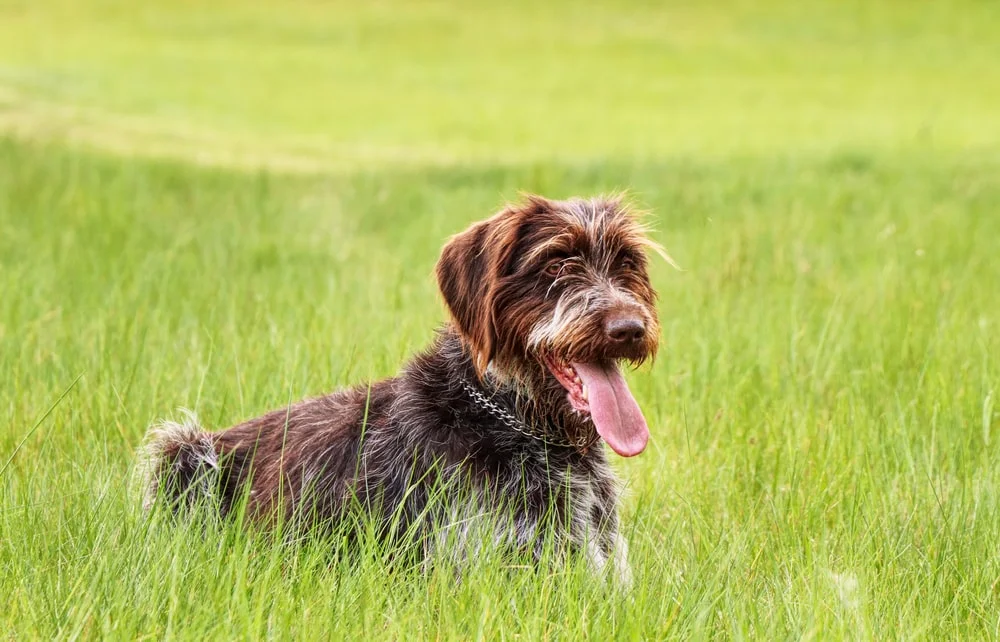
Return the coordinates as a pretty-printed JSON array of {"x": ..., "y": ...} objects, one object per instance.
[{"x": 581, "y": 444}]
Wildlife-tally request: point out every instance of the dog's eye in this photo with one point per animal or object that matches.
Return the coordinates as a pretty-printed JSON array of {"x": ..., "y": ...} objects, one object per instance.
[
  {"x": 553, "y": 268},
  {"x": 628, "y": 263}
]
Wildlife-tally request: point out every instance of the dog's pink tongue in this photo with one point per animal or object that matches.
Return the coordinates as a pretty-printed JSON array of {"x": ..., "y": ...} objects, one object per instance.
[{"x": 613, "y": 409}]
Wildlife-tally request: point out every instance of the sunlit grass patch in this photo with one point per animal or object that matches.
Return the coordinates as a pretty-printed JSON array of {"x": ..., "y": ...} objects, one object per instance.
[{"x": 823, "y": 409}]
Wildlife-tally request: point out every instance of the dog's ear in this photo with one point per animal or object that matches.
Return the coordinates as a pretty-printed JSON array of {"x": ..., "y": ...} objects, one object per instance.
[{"x": 469, "y": 272}]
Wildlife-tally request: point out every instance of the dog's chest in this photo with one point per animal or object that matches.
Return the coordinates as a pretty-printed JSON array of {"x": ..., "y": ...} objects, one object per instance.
[
  {"x": 569, "y": 497},
  {"x": 587, "y": 495},
  {"x": 586, "y": 499}
]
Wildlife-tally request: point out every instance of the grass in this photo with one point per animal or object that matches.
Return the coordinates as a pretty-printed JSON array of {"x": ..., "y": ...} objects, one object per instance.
[
  {"x": 307, "y": 85},
  {"x": 825, "y": 459}
]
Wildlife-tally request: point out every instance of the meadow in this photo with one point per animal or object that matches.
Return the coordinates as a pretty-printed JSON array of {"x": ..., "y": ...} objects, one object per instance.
[{"x": 230, "y": 208}]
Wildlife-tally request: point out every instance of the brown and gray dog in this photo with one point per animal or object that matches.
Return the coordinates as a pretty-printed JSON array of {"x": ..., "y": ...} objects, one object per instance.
[{"x": 547, "y": 299}]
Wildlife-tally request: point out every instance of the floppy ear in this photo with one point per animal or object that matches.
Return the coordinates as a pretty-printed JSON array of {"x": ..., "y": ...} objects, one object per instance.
[{"x": 468, "y": 274}]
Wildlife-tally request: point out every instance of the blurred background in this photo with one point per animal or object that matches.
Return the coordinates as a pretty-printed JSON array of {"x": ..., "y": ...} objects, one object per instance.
[{"x": 306, "y": 85}]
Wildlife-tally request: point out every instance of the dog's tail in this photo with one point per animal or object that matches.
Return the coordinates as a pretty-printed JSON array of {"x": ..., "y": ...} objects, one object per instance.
[{"x": 179, "y": 464}]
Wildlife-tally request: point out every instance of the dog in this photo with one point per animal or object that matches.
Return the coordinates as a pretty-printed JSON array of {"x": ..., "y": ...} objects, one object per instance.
[{"x": 505, "y": 411}]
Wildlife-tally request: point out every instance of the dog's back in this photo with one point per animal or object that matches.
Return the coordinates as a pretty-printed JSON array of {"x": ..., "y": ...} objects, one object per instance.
[{"x": 272, "y": 462}]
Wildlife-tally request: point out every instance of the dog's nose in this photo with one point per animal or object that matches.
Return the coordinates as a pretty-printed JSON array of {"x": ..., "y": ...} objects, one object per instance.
[{"x": 625, "y": 330}]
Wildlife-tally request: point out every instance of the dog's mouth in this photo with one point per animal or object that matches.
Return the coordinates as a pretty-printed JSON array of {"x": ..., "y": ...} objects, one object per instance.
[{"x": 599, "y": 391}]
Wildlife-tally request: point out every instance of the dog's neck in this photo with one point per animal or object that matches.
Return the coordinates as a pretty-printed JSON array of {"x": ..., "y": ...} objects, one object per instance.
[{"x": 525, "y": 388}]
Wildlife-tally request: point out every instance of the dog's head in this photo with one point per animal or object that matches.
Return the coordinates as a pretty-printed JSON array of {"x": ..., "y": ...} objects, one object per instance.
[{"x": 555, "y": 295}]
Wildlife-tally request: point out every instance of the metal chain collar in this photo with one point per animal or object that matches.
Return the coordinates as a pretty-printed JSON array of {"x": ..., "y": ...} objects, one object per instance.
[{"x": 582, "y": 443}]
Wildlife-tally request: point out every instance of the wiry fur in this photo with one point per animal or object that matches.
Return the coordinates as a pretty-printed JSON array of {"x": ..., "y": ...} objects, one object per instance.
[
  {"x": 183, "y": 453},
  {"x": 415, "y": 451}
]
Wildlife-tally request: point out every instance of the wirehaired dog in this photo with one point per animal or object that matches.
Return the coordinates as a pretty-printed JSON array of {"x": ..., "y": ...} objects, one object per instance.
[{"x": 505, "y": 410}]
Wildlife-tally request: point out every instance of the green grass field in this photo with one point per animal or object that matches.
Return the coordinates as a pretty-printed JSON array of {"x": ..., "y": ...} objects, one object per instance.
[{"x": 177, "y": 180}]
